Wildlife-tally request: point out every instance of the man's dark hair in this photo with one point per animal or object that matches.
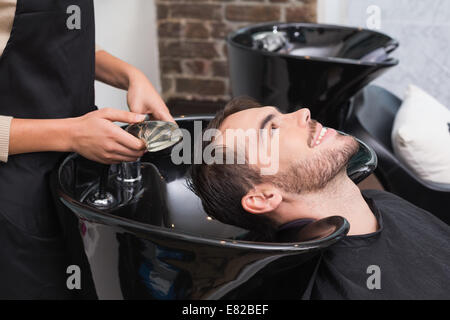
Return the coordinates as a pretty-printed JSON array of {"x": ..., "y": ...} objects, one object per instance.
[{"x": 222, "y": 186}]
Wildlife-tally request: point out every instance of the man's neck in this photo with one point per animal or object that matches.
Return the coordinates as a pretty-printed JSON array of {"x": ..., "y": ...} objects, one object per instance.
[{"x": 341, "y": 197}]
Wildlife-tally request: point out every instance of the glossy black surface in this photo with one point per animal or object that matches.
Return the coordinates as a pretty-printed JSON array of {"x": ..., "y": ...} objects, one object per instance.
[
  {"x": 157, "y": 242},
  {"x": 317, "y": 66}
]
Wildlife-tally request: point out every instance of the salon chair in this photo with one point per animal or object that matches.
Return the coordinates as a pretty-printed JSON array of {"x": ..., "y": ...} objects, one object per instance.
[{"x": 371, "y": 117}]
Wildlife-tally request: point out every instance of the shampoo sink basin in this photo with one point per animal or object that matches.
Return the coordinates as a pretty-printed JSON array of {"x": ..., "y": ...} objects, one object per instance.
[
  {"x": 296, "y": 65},
  {"x": 158, "y": 243}
]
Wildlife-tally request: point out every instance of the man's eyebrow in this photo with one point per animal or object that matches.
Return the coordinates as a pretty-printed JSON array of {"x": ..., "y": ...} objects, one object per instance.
[{"x": 267, "y": 118}]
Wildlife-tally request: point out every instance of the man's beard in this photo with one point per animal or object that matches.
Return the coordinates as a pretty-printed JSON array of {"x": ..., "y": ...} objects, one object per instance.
[{"x": 315, "y": 173}]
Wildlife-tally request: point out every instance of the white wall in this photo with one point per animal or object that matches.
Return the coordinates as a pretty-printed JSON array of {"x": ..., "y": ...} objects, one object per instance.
[
  {"x": 423, "y": 29},
  {"x": 127, "y": 29},
  {"x": 332, "y": 11}
]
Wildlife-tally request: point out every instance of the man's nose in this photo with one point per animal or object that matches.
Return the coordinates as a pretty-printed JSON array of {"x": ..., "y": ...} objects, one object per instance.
[{"x": 303, "y": 117}]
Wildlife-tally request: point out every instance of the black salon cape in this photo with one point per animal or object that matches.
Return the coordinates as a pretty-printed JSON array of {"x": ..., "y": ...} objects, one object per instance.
[{"x": 411, "y": 249}]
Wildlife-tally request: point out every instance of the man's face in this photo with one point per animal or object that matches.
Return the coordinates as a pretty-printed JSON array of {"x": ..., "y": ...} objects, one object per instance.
[{"x": 309, "y": 155}]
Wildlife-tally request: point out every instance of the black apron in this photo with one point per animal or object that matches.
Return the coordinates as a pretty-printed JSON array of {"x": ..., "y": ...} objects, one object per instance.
[{"x": 46, "y": 72}]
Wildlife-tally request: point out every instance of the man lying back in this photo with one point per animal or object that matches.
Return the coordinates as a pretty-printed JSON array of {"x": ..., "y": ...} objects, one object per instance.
[{"x": 405, "y": 246}]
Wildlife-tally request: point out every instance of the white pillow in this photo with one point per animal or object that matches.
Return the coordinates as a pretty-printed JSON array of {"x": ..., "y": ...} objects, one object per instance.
[{"x": 421, "y": 136}]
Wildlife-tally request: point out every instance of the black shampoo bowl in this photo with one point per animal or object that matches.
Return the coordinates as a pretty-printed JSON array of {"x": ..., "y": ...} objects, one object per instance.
[
  {"x": 298, "y": 65},
  {"x": 159, "y": 243}
]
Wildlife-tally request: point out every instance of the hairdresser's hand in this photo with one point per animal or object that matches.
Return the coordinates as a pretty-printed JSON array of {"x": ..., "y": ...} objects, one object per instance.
[
  {"x": 143, "y": 98},
  {"x": 97, "y": 138}
]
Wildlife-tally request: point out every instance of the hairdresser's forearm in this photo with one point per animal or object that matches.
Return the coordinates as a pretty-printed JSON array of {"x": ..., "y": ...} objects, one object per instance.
[
  {"x": 112, "y": 70},
  {"x": 33, "y": 135}
]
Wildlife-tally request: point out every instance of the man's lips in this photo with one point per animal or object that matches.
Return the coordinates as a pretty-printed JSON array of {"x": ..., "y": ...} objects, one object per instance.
[
  {"x": 318, "y": 128},
  {"x": 328, "y": 133}
]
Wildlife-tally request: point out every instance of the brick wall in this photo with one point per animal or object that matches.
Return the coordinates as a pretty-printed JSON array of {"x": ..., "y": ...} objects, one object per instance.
[{"x": 192, "y": 48}]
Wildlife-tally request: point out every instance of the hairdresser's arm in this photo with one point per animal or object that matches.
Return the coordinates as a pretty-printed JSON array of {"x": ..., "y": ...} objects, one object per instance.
[
  {"x": 93, "y": 135},
  {"x": 142, "y": 96}
]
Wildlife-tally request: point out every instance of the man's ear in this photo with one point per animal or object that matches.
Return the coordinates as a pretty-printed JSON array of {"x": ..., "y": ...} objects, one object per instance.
[{"x": 261, "y": 199}]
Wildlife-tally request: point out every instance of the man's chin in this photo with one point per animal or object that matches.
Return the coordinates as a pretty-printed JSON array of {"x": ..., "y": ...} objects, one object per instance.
[{"x": 348, "y": 146}]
